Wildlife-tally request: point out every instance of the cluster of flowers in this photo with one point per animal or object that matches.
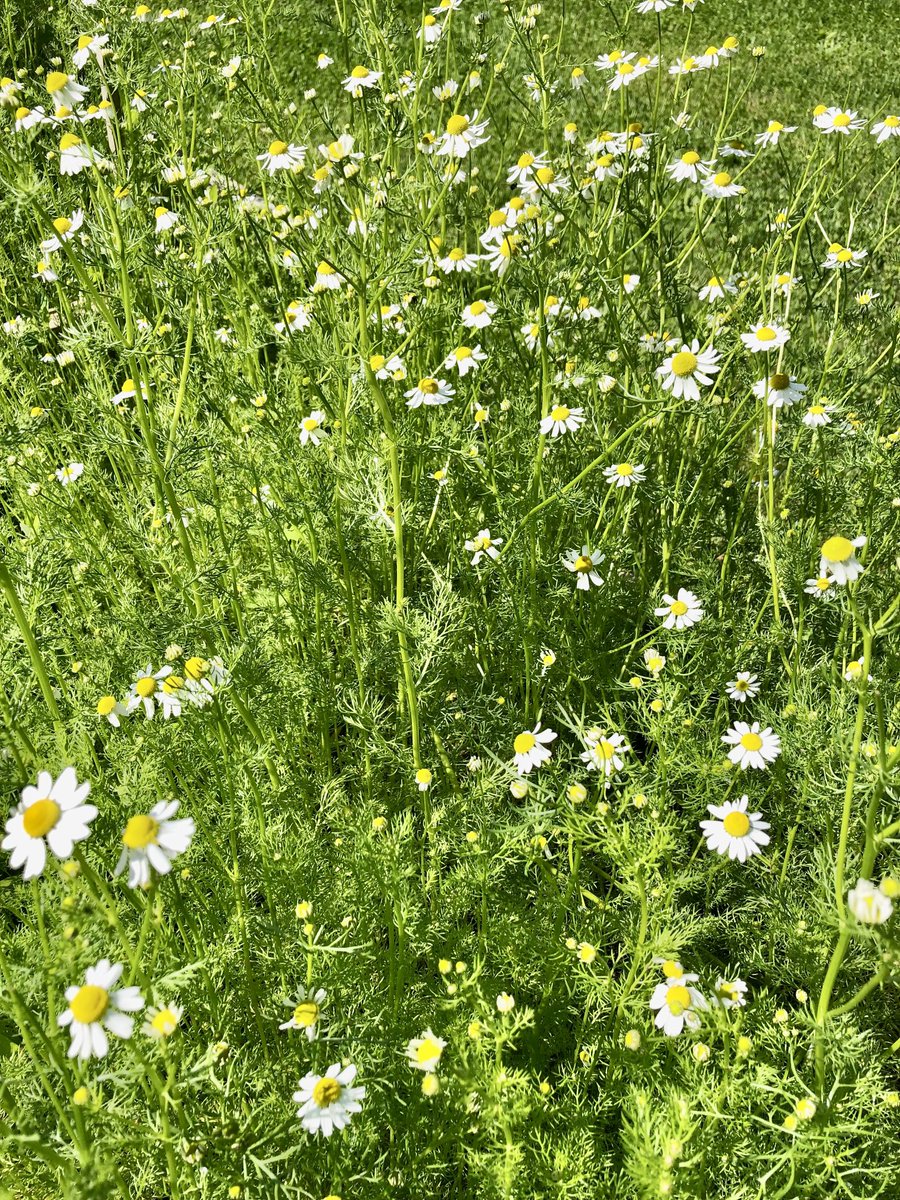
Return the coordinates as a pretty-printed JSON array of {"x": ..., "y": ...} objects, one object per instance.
[{"x": 168, "y": 692}]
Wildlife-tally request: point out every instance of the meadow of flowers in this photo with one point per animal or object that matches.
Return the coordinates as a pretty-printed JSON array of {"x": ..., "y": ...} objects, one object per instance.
[{"x": 449, "y": 598}]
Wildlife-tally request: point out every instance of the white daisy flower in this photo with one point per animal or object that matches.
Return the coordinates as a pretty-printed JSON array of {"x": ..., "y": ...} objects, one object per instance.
[
  {"x": 772, "y": 132},
  {"x": 752, "y": 746},
  {"x": 311, "y": 428},
  {"x": 837, "y": 120},
  {"x": 327, "y": 278},
  {"x": 65, "y": 91},
  {"x": 146, "y": 689},
  {"x": 483, "y": 544},
  {"x": 50, "y": 814},
  {"x": 842, "y": 258},
  {"x": 783, "y": 281},
  {"x": 128, "y": 391},
  {"x": 584, "y": 567},
  {"x": 779, "y": 390},
  {"x": 624, "y": 475},
  {"x": 152, "y": 841},
  {"x": 765, "y": 337},
  {"x": 722, "y": 185},
  {"x": 478, "y": 314},
  {"x": 604, "y": 751},
  {"x": 677, "y": 1005},
  {"x": 88, "y": 45},
  {"x": 562, "y": 419},
  {"x": 307, "y": 1009},
  {"x": 838, "y": 560},
  {"x": 95, "y": 1008},
  {"x": 681, "y": 373},
  {"x": 624, "y": 75},
  {"x": 327, "y": 1102},
  {"x": 818, "y": 415},
  {"x": 690, "y": 167},
  {"x": 161, "y": 1021},
  {"x": 501, "y": 255},
  {"x": 730, "y": 993},
  {"x": 297, "y": 316},
  {"x": 387, "y": 367},
  {"x": 429, "y": 391},
  {"x": 681, "y": 611},
  {"x": 359, "y": 79},
  {"x": 27, "y": 118},
  {"x": 734, "y": 831},
  {"x": 75, "y": 155},
  {"x": 462, "y": 134},
  {"x": 523, "y": 171},
  {"x": 822, "y": 586},
  {"x": 888, "y": 128},
  {"x": 717, "y": 288},
  {"x": 608, "y": 62},
  {"x": 282, "y": 156},
  {"x": 111, "y": 709},
  {"x": 164, "y": 218},
  {"x": 457, "y": 262},
  {"x": 530, "y": 748},
  {"x": 654, "y": 661},
  {"x": 68, "y": 474},
  {"x": 424, "y": 1052},
  {"x": 323, "y": 61},
  {"x": 868, "y": 904},
  {"x": 464, "y": 359},
  {"x": 744, "y": 687},
  {"x": 66, "y": 228}
]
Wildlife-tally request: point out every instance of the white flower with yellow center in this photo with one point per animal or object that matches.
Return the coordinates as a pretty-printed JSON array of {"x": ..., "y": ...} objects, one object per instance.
[
  {"x": 562, "y": 419},
  {"x": 752, "y": 746},
  {"x": 624, "y": 74},
  {"x": 677, "y": 1005},
  {"x": 95, "y": 1008},
  {"x": 75, "y": 156},
  {"x": 128, "y": 391},
  {"x": 146, "y": 689},
  {"x": 327, "y": 278},
  {"x": 584, "y": 566},
  {"x": 424, "y": 779},
  {"x": 297, "y": 316},
  {"x": 429, "y": 391},
  {"x": 730, "y": 993},
  {"x": 681, "y": 373},
  {"x": 89, "y": 45},
  {"x": 722, "y": 186},
  {"x": 111, "y": 709},
  {"x": 764, "y": 337},
  {"x": 773, "y": 132},
  {"x": 306, "y": 1009},
  {"x": 500, "y": 256},
  {"x": 390, "y": 367},
  {"x": 464, "y": 359},
  {"x": 323, "y": 61},
  {"x": 165, "y": 219},
  {"x": 868, "y": 904},
  {"x": 818, "y": 415},
  {"x": 162, "y": 1021},
  {"x": 681, "y": 611},
  {"x": 424, "y": 1053},
  {"x": 66, "y": 229},
  {"x": 548, "y": 658},
  {"x": 282, "y": 156},
  {"x": 838, "y": 559},
  {"x": 462, "y": 134},
  {"x": 27, "y": 118},
  {"x": 654, "y": 661},
  {"x": 837, "y": 120},
  {"x": 523, "y": 170},
  {"x": 478, "y": 314},
  {"x": 604, "y": 751},
  {"x": 359, "y": 79},
  {"x": 624, "y": 475},
  {"x": 483, "y": 544},
  {"x": 689, "y": 168},
  {"x": 530, "y": 748},
  {"x": 327, "y": 1102},
  {"x": 821, "y": 586},
  {"x": 734, "y": 831},
  {"x": 608, "y": 62},
  {"x": 51, "y": 814},
  {"x": 152, "y": 841},
  {"x": 65, "y": 91},
  {"x": 339, "y": 150},
  {"x": 457, "y": 262},
  {"x": 744, "y": 687},
  {"x": 842, "y": 258},
  {"x": 311, "y": 428},
  {"x": 69, "y": 473},
  {"x": 779, "y": 390},
  {"x": 889, "y": 127}
]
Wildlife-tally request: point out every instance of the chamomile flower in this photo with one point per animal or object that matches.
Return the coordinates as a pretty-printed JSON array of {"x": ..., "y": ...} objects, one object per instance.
[
  {"x": 783, "y": 281},
  {"x": 752, "y": 746},
  {"x": 677, "y": 1005},
  {"x": 327, "y": 278},
  {"x": 90, "y": 45},
  {"x": 743, "y": 687},
  {"x": 522, "y": 172},
  {"x": 765, "y": 337},
  {"x": 603, "y": 751},
  {"x": 391, "y": 367},
  {"x": 66, "y": 228},
  {"x": 152, "y": 841},
  {"x": 424, "y": 779},
  {"x": 111, "y": 709},
  {"x": 457, "y": 262},
  {"x": 722, "y": 186},
  {"x": 28, "y": 118},
  {"x": 311, "y": 428},
  {"x": 65, "y": 91},
  {"x": 478, "y": 314},
  {"x": 297, "y": 316},
  {"x": 681, "y": 373},
  {"x": 327, "y": 1102},
  {"x": 888, "y": 127},
  {"x": 562, "y": 419},
  {"x": 734, "y": 831},
  {"x": 822, "y": 586},
  {"x": 483, "y": 544},
  {"x": 282, "y": 156},
  {"x": 164, "y": 218},
  {"x": 51, "y": 814},
  {"x": 424, "y": 1052},
  {"x": 868, "y": 904},
  {"x": 161, "y": 1021},
  {"x": 69, "y": 473},
  {"x": 97, "y": 1008},
  {"x": 146, "y": 689},
  {"x": 429, "y": 391},
  {"x": 717, "y": 288},
  {"x": 654, "y": 661},
  {"x": 838, "y": 559},
  {"x": 690, "y": 168},
  {"x": 76, "y": 155},
  {"x": 306, "y": 1009},
  {"x": 584, "y": 566},
  {"x": 842, "y": 258},
  {"x": 323, "y": 61},
  {"x": 730, "y": 993},
  {"x": 359, "y": 80},
  {"x": 779, "y": 390},
  {"x": 681, "y": 611},
  {"x": 530, "y": 748},
  {"x": 838, "y": 120},
  {"x": 624, "y": 475},
  {"x": 624, "y": 74},
  {"x": 773, "y": 132},
  {"x": 464, "y": 359},
  {"x": 462, "y": 134}
]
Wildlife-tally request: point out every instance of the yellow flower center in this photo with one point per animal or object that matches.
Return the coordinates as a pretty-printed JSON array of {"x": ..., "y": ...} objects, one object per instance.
[
  {"x": 306, "y": 1014},
  {"x": 625, "y": 68},
  {"x": 892, "y": 122},
  {"x": 310, "y": 423},
  {"x": 429, "y": 387},
  {"x": 140, "y": 832},
  {"x": 326, "y": 1091},
  {"x": 722, "y": 179},
  {"x": 817, "y": 410},
  {"x": 359, "y": 72},
  {"x": 524, "y": 742},
  {"x": 84, "y": 41},
  {"x": 678, "y": 998},
  {"x": 606, "y": 749},
  {"x": 774, "y": 127},
  {"x": 624, "y": 469},
  {"x": 545, "y": 176},
  {"x": 766, "y": 334},
  {"x": 457, "y": 124},
  {"x": 584, "y": 563},
  {"x": 428, "y": 1050},
  {"x": 324, "y": 268},
  {"x": 683, "y": 363},
  {"x": 165, "y": 1022},
  {"x": 560, "y": 413},
  {"x": 842, "y": 120},
  {"x": 779, "y": 381},
  {"x": 691, "y": 158},
  {"x": 844, "y": 256},
  {"x": 837, "y": 549},
  {"x": 477, "y": 308},
  {"x": 68, "y": 140},
  {"x": 105, "y": 705},
  {"x": 62, "y": 225},
  {"x": 525, "y": 160},
  {"x": 671, "y": 969},
  {"x": 751, "y": 741},
  {"x": 22, "y": 113},
  {"x": 736, "y": 824},
  {"x": 277, "y": 147},
  {"x": 146, "y": 686},
  {"x": 89, "y": 1004},
  {"x": 423, "y": 775},
  {"x": 40, "y": 817},
  {"x": 56, "y": 81},
  {"x": 194, "y": 668},
  {"x": 678, "y": 608},
  {"x": 461, "y": 353}
]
